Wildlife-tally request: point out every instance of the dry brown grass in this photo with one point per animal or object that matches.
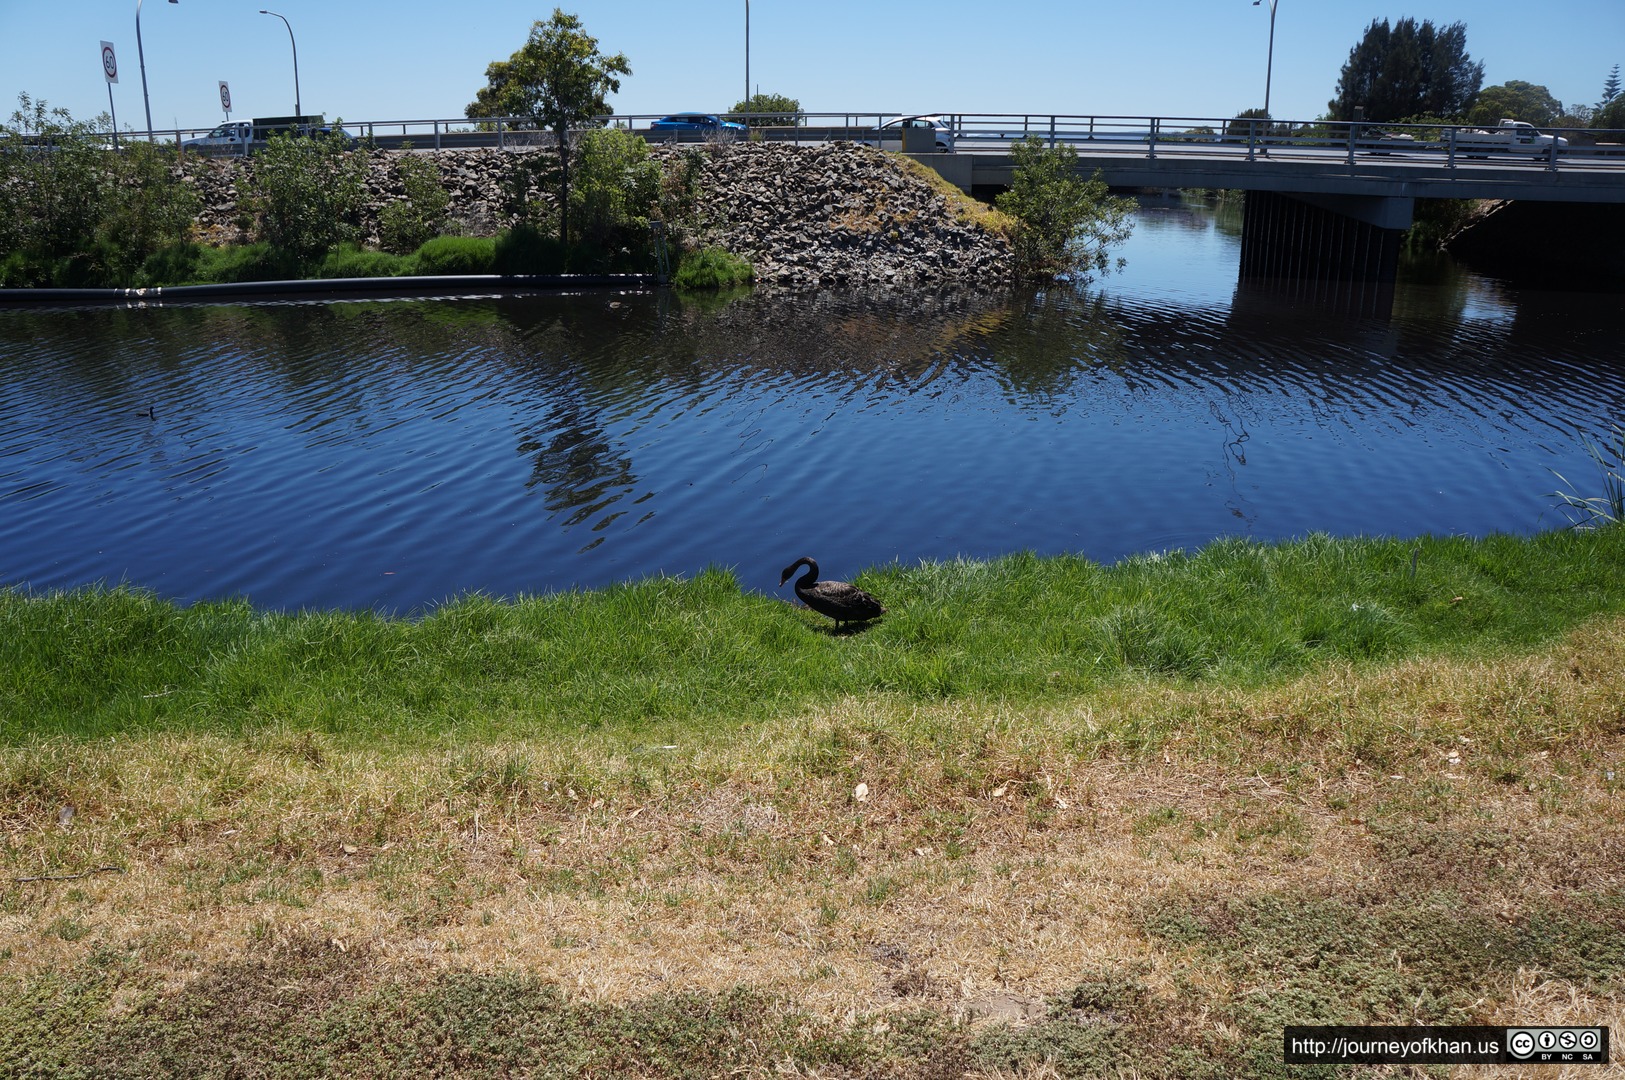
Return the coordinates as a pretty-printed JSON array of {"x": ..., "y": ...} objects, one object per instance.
[
  {"x": 965, "y": 208},
  {"x": 869, "y": 859}
]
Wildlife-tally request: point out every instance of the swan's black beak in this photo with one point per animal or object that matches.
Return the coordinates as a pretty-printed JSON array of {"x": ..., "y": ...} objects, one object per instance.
[{"x": 783, "y": 578}]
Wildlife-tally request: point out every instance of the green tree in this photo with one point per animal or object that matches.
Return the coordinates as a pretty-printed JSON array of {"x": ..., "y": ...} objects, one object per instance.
[
  {"x": 1065, "y": 225},
  {"x": 770, "y": 110},
  {"x": 1610, "y": 88},
  {"x": 306, "y": 193},
  {"x": 1254, "y": 121},
  {"x": 1407, "y": 70},
  {"x": 1611, "y": 116},
  {"x": 560, "y": 81},
  {"x": 1515, "y": 100}
]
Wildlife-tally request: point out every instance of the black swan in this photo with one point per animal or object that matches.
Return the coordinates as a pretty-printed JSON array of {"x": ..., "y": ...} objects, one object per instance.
[{"x": 837, "y": 599}]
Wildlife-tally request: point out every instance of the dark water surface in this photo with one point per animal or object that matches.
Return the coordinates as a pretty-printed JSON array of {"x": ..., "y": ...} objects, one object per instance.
[{"x": 395, "y": 454}]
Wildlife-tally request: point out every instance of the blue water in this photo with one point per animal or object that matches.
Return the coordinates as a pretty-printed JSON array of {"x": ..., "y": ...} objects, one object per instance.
[{"x": 391, "y": 455}]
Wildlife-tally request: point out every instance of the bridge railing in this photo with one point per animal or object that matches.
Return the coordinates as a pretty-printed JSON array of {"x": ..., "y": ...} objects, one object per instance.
[{"x": 1149, "y": 136}]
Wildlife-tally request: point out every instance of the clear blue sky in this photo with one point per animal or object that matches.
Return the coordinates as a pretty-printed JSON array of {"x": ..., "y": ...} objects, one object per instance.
[{"x": 413, "y": 60}]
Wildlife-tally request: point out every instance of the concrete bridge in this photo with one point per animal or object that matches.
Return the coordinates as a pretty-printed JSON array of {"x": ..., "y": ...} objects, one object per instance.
[{"x": 1327, "y": 204}]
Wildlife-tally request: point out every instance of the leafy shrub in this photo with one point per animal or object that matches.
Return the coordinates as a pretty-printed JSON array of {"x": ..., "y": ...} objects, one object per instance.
[
  {"x": 711, "y": 268},
  {"x": 457, "y": 255},
  {"x": 616, "y": 188},
  {"x": 769, "y": 110},
  {"x": 407, "y": 224},
  {"x": 524, "y": 250},
  {"x": 30, "y": 270},
  {"x": 1065, "y": 225},
  {"x": 177, "y": 264},
  {"x": 78, "y": 214},
  {"x": 306, "y": 193}
]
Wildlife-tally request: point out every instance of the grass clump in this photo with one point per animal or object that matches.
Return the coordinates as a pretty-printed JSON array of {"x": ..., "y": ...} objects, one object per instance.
[
  {"x": 350, "y": 260},
  {"x": 457, "y": 255},
  {"x": 711, "y": 268}
]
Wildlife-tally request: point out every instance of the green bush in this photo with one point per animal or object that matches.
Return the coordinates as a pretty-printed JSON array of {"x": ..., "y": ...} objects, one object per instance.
[
  {"x": 30, "y": 270},
  {"x": 769, "y": 110},
  {"x": 616, "y": 188},
  {"x": 711, "y": 268},
  {"x": 1065, "y": 225},
  {"x": 306, "y": 194},
  {"x": 524, "y": 250},
  {"x": 449, "y": 255},
  {"x": 407, "y": 224},
  {"x": 79, "y": 215},
  {"x": 178, "y": 264}
]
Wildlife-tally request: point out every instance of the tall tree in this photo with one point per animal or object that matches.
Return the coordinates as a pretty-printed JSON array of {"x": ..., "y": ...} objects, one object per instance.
[
  {"x": 1610, "y": 88},
  {"x": 1611, "y": 116},
  {"x": 560, "y": 81},
  {"x": 1408, "y": 70}
]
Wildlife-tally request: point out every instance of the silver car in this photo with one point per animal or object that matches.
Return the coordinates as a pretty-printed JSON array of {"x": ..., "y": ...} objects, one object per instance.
[{"x": 890, "y": 134}]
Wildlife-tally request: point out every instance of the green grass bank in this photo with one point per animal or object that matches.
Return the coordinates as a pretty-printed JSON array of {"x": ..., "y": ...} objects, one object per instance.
[
  {"x": 660, "y": 658},
  {"x": 1044, "y": 819}
]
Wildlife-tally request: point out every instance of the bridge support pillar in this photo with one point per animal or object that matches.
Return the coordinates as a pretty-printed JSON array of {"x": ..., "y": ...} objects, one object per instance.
[{"x": 1341, "y": 251}]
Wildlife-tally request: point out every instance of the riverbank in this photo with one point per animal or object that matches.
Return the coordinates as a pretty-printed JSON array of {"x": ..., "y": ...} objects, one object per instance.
[{"x": 1045, "y": 818}]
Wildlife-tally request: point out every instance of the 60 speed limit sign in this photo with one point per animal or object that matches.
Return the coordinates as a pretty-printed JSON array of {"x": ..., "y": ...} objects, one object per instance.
[{"x": 109, "y": 62}]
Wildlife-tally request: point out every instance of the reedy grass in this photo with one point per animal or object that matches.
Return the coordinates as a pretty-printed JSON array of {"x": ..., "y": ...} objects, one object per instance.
[{"x": 1609, "y": 507}]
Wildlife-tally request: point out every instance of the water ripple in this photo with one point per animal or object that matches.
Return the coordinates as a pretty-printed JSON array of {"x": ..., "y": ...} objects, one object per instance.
[{"x": 393, "y": 454}]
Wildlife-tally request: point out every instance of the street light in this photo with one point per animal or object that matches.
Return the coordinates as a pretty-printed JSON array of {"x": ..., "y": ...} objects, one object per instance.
[
  {"x": 747, "y": 52},
  {"x": 1269, "y": 66},
  {"x": 142, "y": 56},
  {"x": 298, "y": 109}
]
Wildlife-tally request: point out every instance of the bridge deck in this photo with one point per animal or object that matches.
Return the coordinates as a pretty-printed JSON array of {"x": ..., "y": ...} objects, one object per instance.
[{"x": 1326, "y": 172}]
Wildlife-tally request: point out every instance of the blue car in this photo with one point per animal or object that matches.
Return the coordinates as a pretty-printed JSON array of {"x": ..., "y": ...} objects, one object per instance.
[{"x": 688, "y": 123}]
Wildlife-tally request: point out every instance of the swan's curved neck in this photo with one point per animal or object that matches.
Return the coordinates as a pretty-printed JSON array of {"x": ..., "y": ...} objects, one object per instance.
[{"x": 810, "y": 576}]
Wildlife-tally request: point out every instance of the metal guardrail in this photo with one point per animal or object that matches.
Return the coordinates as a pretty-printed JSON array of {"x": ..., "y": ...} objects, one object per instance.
[
  {"x": 993, "y": 132},
  {"x": 1447, "y": 144}
]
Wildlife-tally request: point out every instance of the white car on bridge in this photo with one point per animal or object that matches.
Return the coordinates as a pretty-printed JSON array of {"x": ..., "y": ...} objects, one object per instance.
[{"x": 890, "y": 135}]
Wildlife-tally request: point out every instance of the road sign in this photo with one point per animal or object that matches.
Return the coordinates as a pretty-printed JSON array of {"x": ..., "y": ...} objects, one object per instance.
[
  {"x": 225, "y": 96},
  {"x": 109, "y": 62}
]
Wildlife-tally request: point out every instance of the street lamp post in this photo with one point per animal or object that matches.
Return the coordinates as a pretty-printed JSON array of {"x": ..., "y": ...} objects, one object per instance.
[
  {"x": 1269, "y": 66},
  {"x": 298, "y": 109},
  {"x": 142, "y": 56},
  {"x": 747, "y": 51}
]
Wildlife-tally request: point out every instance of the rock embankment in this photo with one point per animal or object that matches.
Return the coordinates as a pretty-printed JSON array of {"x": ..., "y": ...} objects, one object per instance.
[
  {"x": 478, "y": 182},
  {"x": 837, "y": 214}
]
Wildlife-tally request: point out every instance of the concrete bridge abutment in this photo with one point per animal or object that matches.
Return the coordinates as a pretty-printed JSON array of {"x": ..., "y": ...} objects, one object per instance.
[{"x": 1337, "y": 250}]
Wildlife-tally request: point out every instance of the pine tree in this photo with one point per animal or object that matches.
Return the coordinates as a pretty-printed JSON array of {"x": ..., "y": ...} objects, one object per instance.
[
  {"x": 1610, "y": 88},
  {"x": 1406, "y": 70}
]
